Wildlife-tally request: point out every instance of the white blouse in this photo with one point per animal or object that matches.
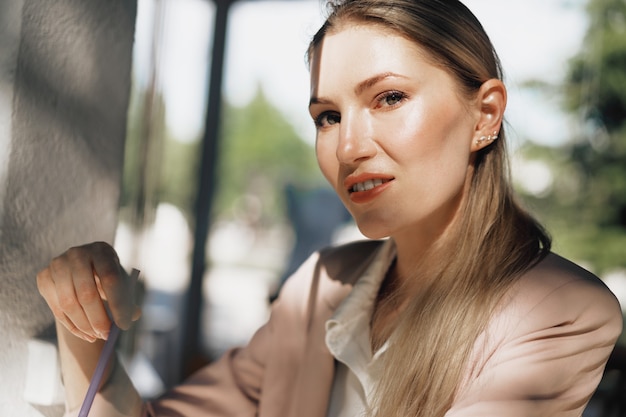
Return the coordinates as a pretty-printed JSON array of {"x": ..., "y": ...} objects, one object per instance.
[{"x": 348, "y": 339}]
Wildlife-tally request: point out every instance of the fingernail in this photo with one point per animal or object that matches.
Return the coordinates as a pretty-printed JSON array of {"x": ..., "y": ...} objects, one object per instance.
[{"x": 84, "y": 336}]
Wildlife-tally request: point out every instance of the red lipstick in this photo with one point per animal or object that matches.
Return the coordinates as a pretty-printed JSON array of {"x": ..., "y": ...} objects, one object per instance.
[{"x": 366, "y": 187}]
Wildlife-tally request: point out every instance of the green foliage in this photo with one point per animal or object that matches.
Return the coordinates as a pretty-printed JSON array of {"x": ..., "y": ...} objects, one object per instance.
[
  {"x": 179, "y": 174},
  {"x": 142, "y": 159},
  {"x": 586, "y": 208},
  {"x": 597, "y": 78},
  {"x": 259, "y": 154}
]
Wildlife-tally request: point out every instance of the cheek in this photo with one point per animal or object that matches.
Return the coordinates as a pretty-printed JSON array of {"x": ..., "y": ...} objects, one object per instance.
[
  {"x": 440, "y": 138},
  {"x": 412, "y": 143},
  {"x": 435, "y": 150}
]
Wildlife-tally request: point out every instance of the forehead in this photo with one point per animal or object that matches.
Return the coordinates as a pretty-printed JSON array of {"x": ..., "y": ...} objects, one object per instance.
[{"x": 357, "y": 52}]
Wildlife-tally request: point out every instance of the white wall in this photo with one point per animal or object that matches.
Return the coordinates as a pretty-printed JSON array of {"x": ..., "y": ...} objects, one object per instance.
[
  {"x": 10, "y": 25},
  {"x": 64, "y": 86}
]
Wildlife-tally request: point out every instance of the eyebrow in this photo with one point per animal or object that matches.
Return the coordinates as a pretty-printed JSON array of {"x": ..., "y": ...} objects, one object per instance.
[
  {"x": 362, "y": 86},
  {"x": 370, "y": 82}
]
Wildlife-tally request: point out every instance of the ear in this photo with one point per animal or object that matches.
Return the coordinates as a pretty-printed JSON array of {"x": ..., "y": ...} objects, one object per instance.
[{"x": 490, "y": 105}]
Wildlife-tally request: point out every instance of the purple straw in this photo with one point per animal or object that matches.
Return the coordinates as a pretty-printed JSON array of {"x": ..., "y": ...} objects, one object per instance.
[{"x": 103, "y": 360}]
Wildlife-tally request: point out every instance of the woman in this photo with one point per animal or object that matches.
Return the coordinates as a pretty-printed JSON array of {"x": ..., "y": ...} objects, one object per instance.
[{"x": 462, "y": 311}]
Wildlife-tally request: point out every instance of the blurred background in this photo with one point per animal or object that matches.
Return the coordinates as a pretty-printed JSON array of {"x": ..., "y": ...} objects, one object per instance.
[{"x": 222, "y": 197}]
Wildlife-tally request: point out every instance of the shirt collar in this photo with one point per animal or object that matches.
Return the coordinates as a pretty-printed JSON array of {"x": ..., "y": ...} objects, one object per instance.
[{"x": 349, "y": 327}]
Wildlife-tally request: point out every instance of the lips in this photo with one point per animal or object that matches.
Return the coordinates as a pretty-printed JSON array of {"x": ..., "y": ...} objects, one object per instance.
[{"x": 367, "y": 185}]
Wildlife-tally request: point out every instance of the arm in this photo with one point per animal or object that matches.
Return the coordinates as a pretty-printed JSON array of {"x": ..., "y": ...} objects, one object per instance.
[
  {"x": 117, "y": 396},
  {"x": 78, "y": 287},
  {"x": 227, "y": 388},
  {"x": 258, "y": 378},
  {"x": 547, "y": 353},
  {"x": 284, "y": 370}
]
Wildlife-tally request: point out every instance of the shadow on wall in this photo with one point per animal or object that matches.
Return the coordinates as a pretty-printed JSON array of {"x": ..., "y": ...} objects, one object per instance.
[{"x": 64, "y": 147}]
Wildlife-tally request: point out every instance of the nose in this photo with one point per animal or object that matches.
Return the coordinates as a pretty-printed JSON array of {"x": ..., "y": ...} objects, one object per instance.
[{"x": 355, "y": 142}]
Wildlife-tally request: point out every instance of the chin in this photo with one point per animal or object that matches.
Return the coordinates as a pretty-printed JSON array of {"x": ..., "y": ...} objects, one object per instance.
[{"x": 373, "y": 232}]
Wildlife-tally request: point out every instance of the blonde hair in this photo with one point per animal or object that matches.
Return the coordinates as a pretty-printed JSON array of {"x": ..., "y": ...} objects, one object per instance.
[{"x": 494, "y": 241}]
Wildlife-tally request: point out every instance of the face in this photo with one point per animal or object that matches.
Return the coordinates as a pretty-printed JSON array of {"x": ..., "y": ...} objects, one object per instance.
[{"x": 394, "y": 133}]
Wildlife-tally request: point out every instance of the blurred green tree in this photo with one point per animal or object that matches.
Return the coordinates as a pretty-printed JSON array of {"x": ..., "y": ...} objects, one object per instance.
[
  {"x": 143, "y": 155},
  {"x": 586, "y": 205},
  {"x": 260, "y": 153}
]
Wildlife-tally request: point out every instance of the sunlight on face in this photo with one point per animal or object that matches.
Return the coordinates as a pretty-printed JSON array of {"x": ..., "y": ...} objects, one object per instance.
[{"x": 393, "y": 133}]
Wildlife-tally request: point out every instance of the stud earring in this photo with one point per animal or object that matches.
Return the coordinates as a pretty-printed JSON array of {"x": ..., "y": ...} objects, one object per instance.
[{"x": 489, "y": 138}]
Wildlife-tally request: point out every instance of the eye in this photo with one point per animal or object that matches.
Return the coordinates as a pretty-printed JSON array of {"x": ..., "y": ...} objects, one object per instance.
[
  {"x": 390, "y": 99},
  {"x": 327, "y": 118}
]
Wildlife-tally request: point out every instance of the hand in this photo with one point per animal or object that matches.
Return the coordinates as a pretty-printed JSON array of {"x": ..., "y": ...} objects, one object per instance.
[{"x": 81, "y": 283}]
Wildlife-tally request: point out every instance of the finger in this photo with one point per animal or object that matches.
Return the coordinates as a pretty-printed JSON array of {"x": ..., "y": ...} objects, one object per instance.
[
  {"x": 89, "y": 298},
  {"x": 116, "y": 284},
  {"x": 47, "y": 290},
  {"x": 134, "y": 277},
  {"x": 69, "y": 325},
  {"x": 64, "y": 280},
  {"x": 136, "y": 314}
]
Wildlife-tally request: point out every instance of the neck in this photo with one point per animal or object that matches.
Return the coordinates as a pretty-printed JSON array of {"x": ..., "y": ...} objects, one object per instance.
[
  {"x": 419, "y": 248},
  {"x": 415, "y": 258}
]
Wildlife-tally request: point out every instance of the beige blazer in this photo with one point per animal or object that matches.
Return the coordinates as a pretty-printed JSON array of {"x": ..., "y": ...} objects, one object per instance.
[{"x": 542, "y": 354}]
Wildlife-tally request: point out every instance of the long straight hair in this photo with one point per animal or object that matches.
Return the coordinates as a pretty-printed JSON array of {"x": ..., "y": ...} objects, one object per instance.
[{"x": 493, "y": 242}]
